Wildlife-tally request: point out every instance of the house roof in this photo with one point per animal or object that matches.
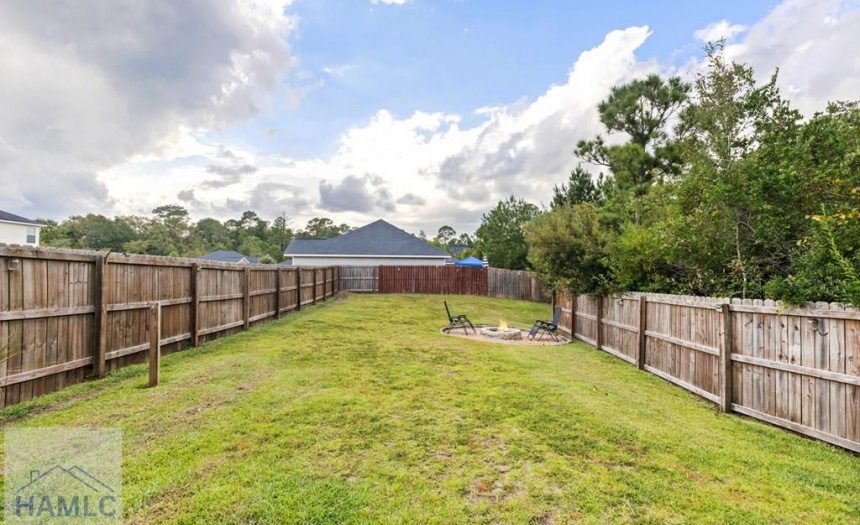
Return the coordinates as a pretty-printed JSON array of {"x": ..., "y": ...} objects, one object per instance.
[
  {"x": 228, "y": 256},
  {"x": 378, "y": 239},
  {"x": 5, "y": 216}
]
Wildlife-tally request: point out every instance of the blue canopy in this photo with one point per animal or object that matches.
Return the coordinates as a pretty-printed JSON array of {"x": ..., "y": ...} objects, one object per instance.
[{"x": 469, "y": 261}]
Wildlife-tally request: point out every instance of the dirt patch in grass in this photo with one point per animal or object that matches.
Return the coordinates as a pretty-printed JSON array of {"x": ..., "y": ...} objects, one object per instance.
[{"x": 525, "y": 341}]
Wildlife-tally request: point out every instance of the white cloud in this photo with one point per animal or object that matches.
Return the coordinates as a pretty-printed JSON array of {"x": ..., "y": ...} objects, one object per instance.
[
  {"x": 814, "y": 44},
  {"x": 86, "y": 89},
  {"x": 339, "y": 70},
  {"x": 390, "y": 2},
  {"x": 153, "y": 129},
  {"x": 719, "y": 30},
  {"x": 427, "y": 164}
]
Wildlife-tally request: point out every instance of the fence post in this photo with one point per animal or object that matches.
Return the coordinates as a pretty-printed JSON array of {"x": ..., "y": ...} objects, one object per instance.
[
  {"x": 325, "y": 283},
  {"x": 246, "y": 299},
  {"x": 154, "y": 343},
  {"x": 278, "y": 293},
  {"x": 726, "y": 387},
  {"x": 643, "y": 326},
  {"x": 299, "y": 288},
  {"x": 195, "y": 305},
  {"x": 573, "y": 299},
  {"x": 598, "y": 338},
  {"x": 100, "y": 361}
]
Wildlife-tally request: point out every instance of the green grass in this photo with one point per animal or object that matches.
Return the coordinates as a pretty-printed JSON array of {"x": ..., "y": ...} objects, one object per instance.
[{"x": 360, "y": 411}]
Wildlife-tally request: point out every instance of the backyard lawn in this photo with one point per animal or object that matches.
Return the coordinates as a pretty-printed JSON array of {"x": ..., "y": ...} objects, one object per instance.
[{"x": 360, "y": 411}]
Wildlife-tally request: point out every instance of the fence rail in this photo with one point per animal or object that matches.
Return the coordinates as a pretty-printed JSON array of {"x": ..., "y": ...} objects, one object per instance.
[
  {"x": 63, "y": 313},
  {"x": 797, "y": 368}
]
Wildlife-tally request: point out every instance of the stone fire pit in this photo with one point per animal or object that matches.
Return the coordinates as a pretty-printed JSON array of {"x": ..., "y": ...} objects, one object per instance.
[{"x": 498, "y": 332}]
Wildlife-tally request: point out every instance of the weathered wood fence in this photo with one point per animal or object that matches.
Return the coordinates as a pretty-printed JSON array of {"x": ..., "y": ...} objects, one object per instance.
[
  {"x": 66, "y": 313},
  {"x": 516, "y": 284},
  {"x": 795, "y": 368},
  {"x": 492, "y": 282},
  {"x": 359, "y": 278}
]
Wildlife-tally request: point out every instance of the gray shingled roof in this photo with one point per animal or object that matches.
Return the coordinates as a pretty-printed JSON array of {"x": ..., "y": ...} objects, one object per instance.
[
  {"x": 11, "y": 217},
  {"x": 228, "y": 256},
  {"x": 376, "y": 239}
]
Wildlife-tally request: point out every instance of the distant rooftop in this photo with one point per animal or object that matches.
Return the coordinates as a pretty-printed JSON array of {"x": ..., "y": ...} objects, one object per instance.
[
  {"x": 5, "y": 216},
  {"x": 378, "y": 238},
  {"x": 229, "y": 256}
]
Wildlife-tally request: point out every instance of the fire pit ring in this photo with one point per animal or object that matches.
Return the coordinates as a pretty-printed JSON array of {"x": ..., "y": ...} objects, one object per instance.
[{"x": 504, "y": 333}]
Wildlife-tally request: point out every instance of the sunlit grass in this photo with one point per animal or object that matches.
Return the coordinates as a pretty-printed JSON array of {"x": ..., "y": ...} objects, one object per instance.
[{"x": 360, "y": 411}]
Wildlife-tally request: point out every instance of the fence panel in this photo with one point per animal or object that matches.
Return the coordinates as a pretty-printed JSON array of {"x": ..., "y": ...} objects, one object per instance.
[
  {"x": 453, "y": 280},
  {"x": 516, "y": 284},
  {"x": 289, "y": 289},
  {"x": 47, "y": 311},
  {"x": 359, "y": 278},
  {"x": 683, "y": 342}
]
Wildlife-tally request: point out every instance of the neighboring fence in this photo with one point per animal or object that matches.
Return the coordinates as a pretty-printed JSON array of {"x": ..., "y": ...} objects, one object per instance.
[
  {"x": 65, "y": 313},
  {"x": 516, "y": 284},
  {"x": 493, "y": 282},
  {"x": 795, "y": 368},
  {"x": 449, "y": 279}
]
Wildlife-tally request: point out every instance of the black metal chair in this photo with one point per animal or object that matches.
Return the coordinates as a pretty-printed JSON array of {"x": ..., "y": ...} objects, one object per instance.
[
  {"x": 458, "y": 321},
  {"x": 549, "y": 327}
]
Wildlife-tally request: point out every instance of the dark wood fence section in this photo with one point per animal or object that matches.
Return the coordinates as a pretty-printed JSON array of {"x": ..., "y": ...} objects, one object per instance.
[
  {"x": 797, "y": 368},
  {"x": 492, "y": 282},
  {"x": 453, "y": 280},
  {"x": 66, "y": 313}
]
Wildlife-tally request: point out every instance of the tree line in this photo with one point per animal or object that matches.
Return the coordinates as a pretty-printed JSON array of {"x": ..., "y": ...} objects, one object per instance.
[
  {"x": 169, "y": 231},
  {"x": 718, "y": 187}
]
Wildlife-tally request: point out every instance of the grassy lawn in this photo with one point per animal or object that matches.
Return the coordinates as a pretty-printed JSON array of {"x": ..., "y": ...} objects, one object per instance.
[{"x": 360, "y": 411}]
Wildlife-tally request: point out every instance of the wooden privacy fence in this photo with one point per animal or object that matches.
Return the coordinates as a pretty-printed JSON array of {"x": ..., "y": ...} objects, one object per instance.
[
  {"x": 449, "y": 279},
  {"x": 492, "y": 282},
  {"x": 64, "y": 313},
  {"x": 516, "y": 284},
  {"x": 359, "y": 278},
  {"x": 797, "y": 368}
]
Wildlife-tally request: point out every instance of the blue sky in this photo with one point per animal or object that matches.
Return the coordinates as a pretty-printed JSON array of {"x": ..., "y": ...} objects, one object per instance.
[
  {"x": 421, "y": 112},
  {"x": 457, "y": 55}
]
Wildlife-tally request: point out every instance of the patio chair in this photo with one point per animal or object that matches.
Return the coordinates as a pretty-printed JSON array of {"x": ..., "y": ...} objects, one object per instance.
[
  {"x": 549, "y": 327},
  {"x": 458, "y": 321}
]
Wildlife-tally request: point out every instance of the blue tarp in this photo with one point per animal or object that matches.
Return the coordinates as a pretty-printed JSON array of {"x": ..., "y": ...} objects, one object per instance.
[{"x": 469, "y": 261}]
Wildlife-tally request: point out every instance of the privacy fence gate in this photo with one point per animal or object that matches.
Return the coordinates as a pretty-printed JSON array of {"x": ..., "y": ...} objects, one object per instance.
[{"x": 797, "y": 368}]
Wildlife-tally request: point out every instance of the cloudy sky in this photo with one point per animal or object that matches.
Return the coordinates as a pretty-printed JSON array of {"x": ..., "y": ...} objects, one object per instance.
[{"x": 422, "y": 112}]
